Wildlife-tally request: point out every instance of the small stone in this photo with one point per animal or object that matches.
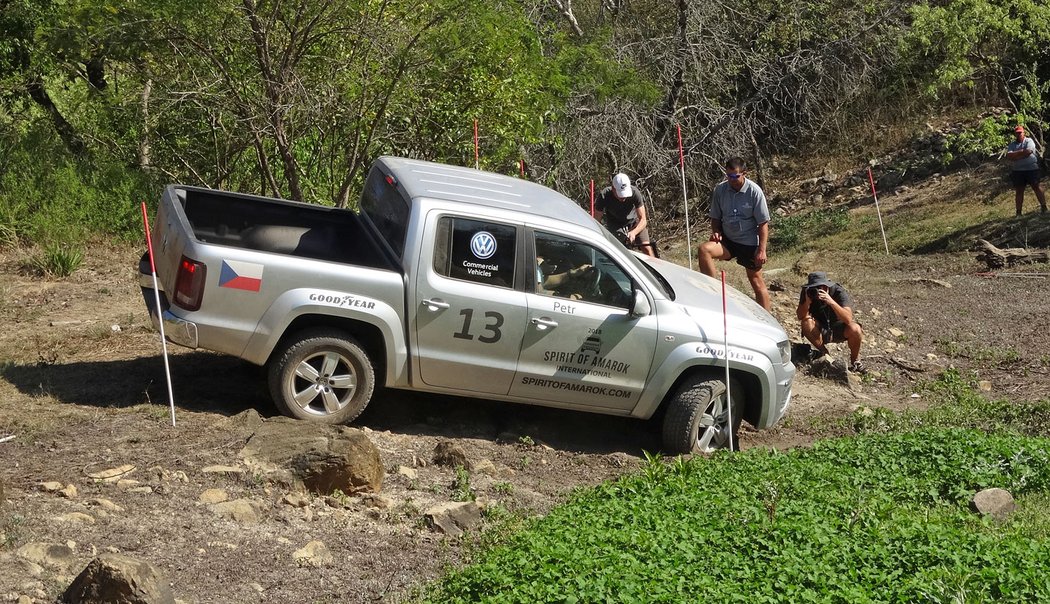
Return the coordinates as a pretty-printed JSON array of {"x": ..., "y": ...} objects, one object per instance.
[
  {"x": 127, "y": 483},
  {"x": 70, "y": 492},
  {"x": 897, "y": 333},
  {"x": 315, "y": 554},
  {"x": 146, "y": 490},
  {"x": 106, "y": 504},
  {"x": 297, "y": 500},
  {"x": 374, "y": 500},
  {"x": 75, "y": 518},
  {"x": 239, "y": 510},
  {"x": 50, "y": 487},
  {"x": 930, "y": 356},
  {"x": 914, "y": 395},
  {"x": 112, "y": 474},
  {"x": 222, "y": 470},
  {"x": 115, "y": 328},
  {"x": 984, "y": 386},
  {"x": 486, "y": 467},
  {"x": 52, "y": 555},
  {"x": 876, "y": 313},
  {"x": 409, "y": 473},
  {"x": 448, "y": 453},
  {"x": 212, "y": 496}
]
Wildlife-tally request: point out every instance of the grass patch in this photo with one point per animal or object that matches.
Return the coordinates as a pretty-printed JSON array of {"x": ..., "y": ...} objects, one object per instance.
[
  {"x": 873, "y": 518},
  {"x": 957, "y": 404},
  {"x": 798, "y": 229},
  {"x": 55, "y": 261}
]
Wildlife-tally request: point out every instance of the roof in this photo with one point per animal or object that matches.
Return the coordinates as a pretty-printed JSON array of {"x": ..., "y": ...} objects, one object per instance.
[{"x": 467, "y": 185}]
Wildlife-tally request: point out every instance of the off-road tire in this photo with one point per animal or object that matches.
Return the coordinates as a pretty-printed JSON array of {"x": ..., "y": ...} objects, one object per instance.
[
  {"x": 696, "y": 406},
  {"x": 331, "y": 373}
]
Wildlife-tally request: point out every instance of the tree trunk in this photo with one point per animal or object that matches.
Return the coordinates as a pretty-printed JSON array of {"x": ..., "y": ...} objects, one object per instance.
[{"x": 65, "y": 130}]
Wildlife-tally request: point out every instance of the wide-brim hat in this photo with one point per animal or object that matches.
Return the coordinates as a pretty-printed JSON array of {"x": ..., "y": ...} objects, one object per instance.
[{"x": 817, "y": 279}]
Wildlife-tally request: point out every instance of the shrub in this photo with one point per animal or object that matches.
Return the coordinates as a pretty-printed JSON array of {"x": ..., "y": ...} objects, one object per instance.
[{"x": 55, "y": 261}]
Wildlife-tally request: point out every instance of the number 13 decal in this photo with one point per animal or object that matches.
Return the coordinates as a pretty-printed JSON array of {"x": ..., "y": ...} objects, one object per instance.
[{"x": 490, "y": 327}]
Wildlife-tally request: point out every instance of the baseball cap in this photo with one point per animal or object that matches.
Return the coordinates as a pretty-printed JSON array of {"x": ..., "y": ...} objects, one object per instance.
[
  {"x": 1019, "y": 129},
  {"x": 622, "y": 185}
]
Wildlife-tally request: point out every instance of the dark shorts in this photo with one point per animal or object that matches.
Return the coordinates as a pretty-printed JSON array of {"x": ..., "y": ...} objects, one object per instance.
[
  {"x": 744, "y": 254},
  {"x": 1023, "y": 178},
  {"x": 641, "y": 238},
  {"x": 829, "y": 335}
]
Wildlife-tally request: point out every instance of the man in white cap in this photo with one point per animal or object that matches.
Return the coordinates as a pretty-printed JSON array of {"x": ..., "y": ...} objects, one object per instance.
[
  {"x": 1024, "y": 169},
  {"x": 623, "y": 209}
]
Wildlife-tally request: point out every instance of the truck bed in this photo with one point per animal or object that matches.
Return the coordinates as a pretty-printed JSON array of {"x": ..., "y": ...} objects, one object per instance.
[{"x": 282, "y": 227}]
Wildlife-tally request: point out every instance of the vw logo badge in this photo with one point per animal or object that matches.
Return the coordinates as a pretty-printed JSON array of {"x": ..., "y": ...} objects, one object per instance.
[{"x": 483, "y": 244}]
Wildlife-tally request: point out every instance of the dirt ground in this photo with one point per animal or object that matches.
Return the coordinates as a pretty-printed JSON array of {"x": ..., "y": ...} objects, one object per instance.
[{"x": 82, "y": 390}]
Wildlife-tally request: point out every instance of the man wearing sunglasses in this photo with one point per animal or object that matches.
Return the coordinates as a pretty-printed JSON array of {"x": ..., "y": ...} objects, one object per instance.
[{"x": 739, "y": 228}]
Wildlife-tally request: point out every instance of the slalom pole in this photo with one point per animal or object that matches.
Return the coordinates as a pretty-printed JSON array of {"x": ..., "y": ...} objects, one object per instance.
[
  {"x": 477, "y": 156},
  {"x": 871, "y": 179},
  {"x": 160, "y": 316},
  {"x": 592, "y": 198},
  {"x": 725, "y": 334},
  {"x": 685, "y": 198}
]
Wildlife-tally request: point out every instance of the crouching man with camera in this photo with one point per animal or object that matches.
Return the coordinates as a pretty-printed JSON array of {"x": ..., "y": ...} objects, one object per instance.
[{"x": 824, "y": 309}]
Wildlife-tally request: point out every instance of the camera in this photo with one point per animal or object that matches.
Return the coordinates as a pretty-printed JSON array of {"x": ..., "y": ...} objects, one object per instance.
[{"x": 813, "y": 293}]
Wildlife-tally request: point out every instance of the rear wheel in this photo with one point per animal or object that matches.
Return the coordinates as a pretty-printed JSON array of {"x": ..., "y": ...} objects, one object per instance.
[
  {"x": 698, "y": 418},
  {"x": 322, "y": 376}
]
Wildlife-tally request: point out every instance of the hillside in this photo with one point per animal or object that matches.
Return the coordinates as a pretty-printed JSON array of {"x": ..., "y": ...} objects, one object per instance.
[{"x": 82, "y": 392}]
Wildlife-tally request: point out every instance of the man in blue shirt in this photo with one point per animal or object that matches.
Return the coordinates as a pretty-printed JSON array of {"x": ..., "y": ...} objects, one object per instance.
[
  {"x": 739, "y": 228},
  {"x": 1024, "y": 168}
]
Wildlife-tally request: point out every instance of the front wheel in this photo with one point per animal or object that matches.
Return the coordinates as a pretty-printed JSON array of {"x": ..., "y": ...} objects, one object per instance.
[
  {"x": 698, "y": 418},
  {"x": 322, "y": 376}
]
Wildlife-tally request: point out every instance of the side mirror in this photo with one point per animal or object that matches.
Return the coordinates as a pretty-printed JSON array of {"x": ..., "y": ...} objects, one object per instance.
[{"x": 639, "y": 304}]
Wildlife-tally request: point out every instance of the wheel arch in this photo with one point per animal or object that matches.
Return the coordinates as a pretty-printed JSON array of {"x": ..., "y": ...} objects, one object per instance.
[
  {"x": 368, "y": 336},
  {"x": 751, "y": 384}
]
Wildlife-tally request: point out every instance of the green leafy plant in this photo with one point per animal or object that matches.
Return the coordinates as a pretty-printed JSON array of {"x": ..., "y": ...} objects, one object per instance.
[
  {"x": 55, "y": 261},
  {"x": 874, "y": 518},
  {"x": 461, "y": 489},
  {"x": 795, "y": 230}
]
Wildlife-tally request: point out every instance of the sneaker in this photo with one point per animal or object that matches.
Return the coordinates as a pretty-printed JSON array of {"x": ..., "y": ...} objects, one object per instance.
[{"x": 857, "y": 367}]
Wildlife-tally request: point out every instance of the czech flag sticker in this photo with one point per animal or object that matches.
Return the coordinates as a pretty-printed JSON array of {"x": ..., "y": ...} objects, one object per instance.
[{"x": 241, "y": 275}]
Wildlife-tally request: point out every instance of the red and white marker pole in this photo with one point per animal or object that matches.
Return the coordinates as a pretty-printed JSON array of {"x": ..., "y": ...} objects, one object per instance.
[
  {"x": 477, "y": 156},
  {"x": 160, "y": 317},
  {"x": 871, "y": 179},
  {"x": 685, "y": 198},
  {"x": 725, "y": 334},
  {"x": 592, "y": 198}
]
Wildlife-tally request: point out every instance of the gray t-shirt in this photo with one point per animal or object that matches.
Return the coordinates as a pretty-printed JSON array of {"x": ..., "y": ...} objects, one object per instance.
[
  {"x": 741, "y": 212},
  {"x": 1024, "y": 164}
]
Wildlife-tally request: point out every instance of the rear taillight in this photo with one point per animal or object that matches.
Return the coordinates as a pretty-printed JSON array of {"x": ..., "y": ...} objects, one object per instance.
[{"x": 189, "y": 284}]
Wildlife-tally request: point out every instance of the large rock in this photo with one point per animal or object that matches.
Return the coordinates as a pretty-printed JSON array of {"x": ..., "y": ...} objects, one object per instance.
[
  {"x": 448, "y": 453},
  {"x": 323, "y": 458},
  {"x": 997, "y": 503},
  {"x": 54, "y": 555},
  {"x": 454, "y": 518},
  {"x": 238, "y": 510},
  {"x": 118, "y": 579}
]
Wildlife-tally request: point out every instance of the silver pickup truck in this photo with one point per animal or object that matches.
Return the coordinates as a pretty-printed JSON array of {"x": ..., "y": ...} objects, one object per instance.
[{"x": 461, "y": 282}]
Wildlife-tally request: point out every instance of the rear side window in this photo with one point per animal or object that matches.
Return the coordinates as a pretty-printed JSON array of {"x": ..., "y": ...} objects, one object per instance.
[
  {"x": 387, "y": 209},
  {"x": 472, "y": 250}
]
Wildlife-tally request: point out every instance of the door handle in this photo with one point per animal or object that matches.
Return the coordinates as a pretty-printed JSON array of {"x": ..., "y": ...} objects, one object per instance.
[
  {"x": 543, "y": 323},
  {"x": 436, "y": 304}
]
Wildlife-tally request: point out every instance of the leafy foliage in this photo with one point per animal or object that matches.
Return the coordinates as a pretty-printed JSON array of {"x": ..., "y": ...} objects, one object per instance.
[
  {"x": 795, "y": 230},
  {"x": 878, "y": 518},
  {"x": 56, "y": 261}
]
